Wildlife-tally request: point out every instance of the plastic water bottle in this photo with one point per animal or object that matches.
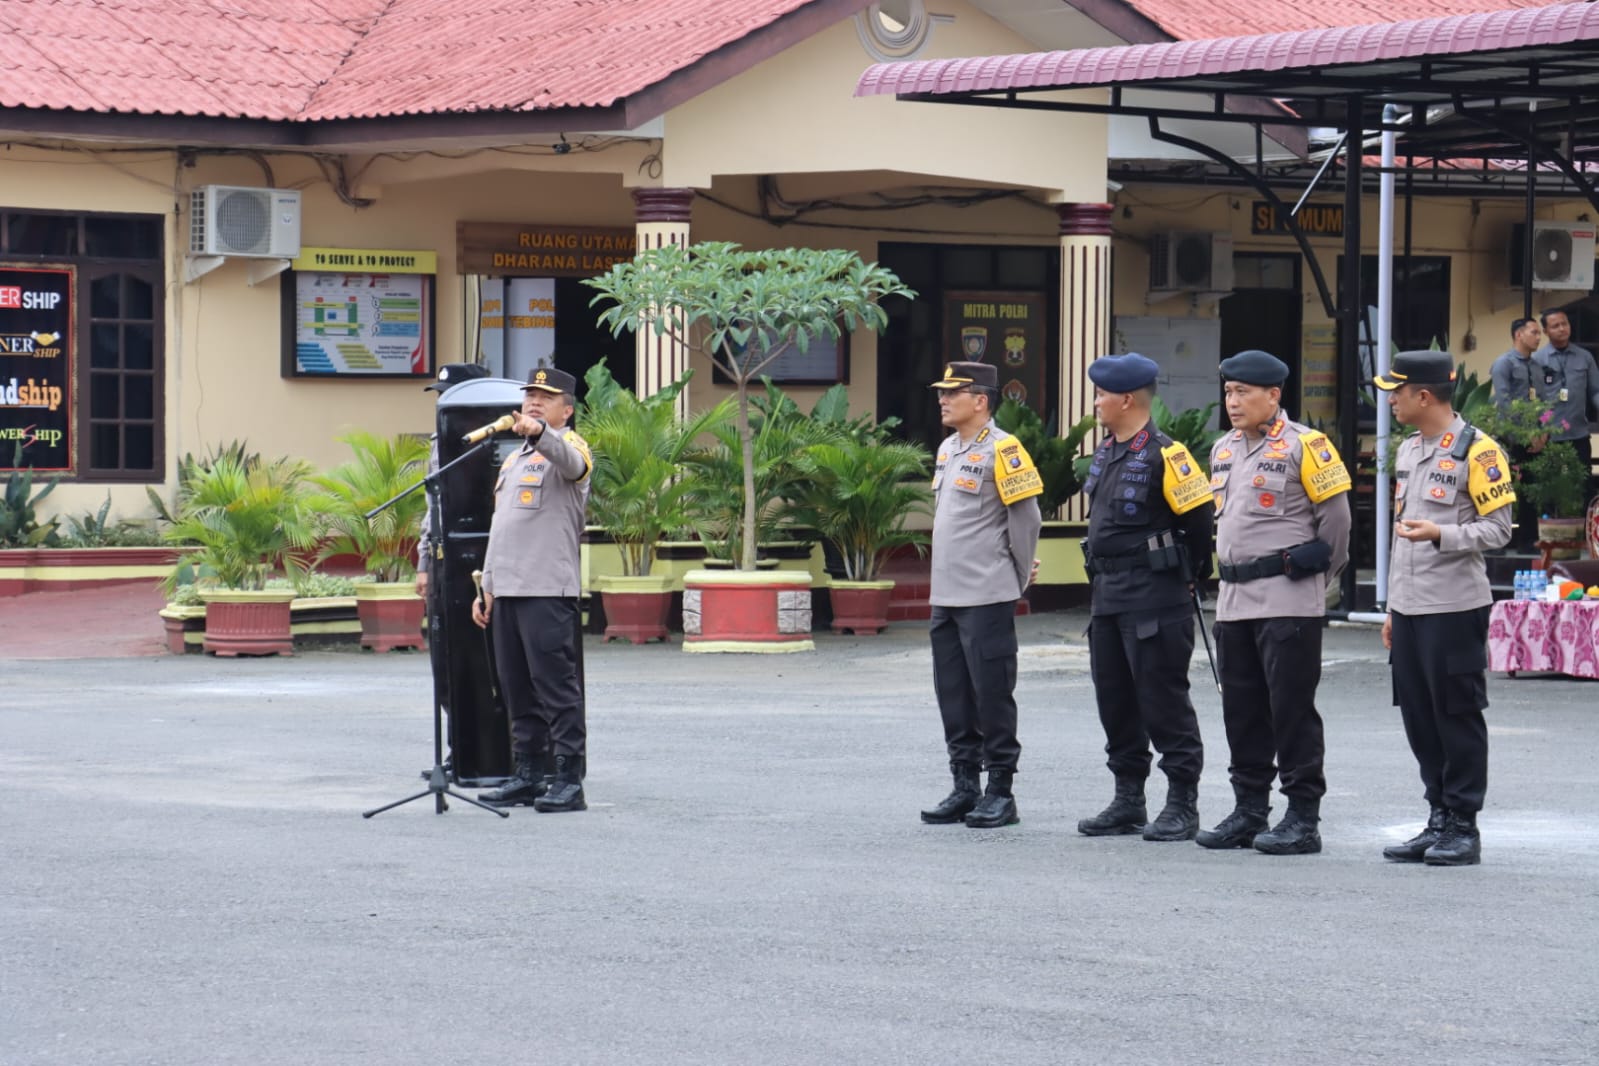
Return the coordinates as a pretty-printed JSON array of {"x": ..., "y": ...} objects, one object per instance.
[
  {"x": 1520, "y": 585},
  {"x": 1540, "y": 581}
]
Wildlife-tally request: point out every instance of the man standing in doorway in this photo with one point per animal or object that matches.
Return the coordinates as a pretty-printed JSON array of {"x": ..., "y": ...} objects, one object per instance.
[
  {"x": 1518, "y": 375},
  {"x": 1451, "y": 503},
  {"x": 1282, "y": 538},
  {"x": 1570, "y": 388},
  {"x": 1149, "y": 525},
  {"x": 985, "y": 530},
  {"x": 531, "y": 583}
]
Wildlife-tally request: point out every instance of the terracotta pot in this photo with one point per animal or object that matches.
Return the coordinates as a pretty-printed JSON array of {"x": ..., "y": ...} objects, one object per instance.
[
  {"x": 636, "y": 608},
  {"x": 736, "y": 610},
  {"x": 391, "y": 614},
  {"x": 860, "y": 607},
  {"x": 243, "y": 622}
]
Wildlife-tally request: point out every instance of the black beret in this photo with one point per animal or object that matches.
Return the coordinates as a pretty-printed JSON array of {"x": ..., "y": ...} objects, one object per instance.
[
  {"x": 1417, "y": 368},
  {"x": 1254, "y": 367},
  {"x": 455, "y": 373},
  {"x": 1123, "y": 373},
  {"x": 959, "y": 375},
  {"x": 549, "y": 379}
]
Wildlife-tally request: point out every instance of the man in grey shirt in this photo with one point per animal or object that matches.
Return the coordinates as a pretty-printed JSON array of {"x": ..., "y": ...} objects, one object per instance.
[
  {"x": 1518, "y": 375},
  {"x": 985, "y": 530},
  {"x": 1570, "y": 387}
]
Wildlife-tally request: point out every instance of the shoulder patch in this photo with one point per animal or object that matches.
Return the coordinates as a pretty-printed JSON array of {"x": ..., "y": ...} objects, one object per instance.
[
  {"x": 1488, "y": 476},
  {"x": 1321, "y": 470},
  {"x": 1015, "y": 476},
  {"x": 1185, "y": 484}
]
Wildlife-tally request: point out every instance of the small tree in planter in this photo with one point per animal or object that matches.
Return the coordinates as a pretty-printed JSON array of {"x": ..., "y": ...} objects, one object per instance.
[
  {"x": 637, "y": 492},
  {"x": 382, "y": 467},
  {"x": 742, "y": 310},
  {"x": 858, "y": 494},
  {"x": 248, "y": 520}
]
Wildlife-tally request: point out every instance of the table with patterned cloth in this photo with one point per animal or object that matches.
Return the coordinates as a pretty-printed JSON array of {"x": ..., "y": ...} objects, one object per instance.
[{"x": 1545, "y": 637}]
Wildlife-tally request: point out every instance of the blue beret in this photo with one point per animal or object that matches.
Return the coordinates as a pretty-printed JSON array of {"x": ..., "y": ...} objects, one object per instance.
[
  {"x": 1254, "y": 367},
  {"x": 1123, "y": 373}
]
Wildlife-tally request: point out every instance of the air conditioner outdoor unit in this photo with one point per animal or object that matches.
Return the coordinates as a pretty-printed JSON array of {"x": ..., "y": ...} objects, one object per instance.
[
  {"x": 1562, "y": 255},
  {"x": 256, "y": 223},
  {"x": 1189, "y": 261}
]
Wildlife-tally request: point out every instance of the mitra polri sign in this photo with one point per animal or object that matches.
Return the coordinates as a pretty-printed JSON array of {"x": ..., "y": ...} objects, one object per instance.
[{"x": 36, "y": 349}]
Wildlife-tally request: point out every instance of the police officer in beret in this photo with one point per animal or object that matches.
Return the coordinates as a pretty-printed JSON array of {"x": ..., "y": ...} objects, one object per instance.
[
  {"x": 1149, "y": 525},
  {"x": 1282, "y": 538},
  {"x": 1452, "y": 501},
  {"x": 531, "y": 584},
  {"x": 985, "y": 530}
]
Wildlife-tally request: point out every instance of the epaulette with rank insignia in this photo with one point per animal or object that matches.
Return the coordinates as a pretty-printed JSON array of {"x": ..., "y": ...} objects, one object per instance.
[{"x": 583, "y": 449}]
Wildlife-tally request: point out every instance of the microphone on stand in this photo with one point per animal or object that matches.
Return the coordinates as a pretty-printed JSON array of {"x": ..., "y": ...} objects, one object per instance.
[{"x": 500, "y": 424}]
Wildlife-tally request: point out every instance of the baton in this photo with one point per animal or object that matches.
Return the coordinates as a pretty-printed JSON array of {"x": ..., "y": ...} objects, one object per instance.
[{"x": 1199, "y": 613}]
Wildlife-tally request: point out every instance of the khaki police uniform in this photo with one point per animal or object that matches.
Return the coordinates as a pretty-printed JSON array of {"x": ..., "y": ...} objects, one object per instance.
[
  {"x": 985, "y": 531},
  {"x": 532, "y": 570},
  {"x": 1149, "y": 529},
  {"x": 1276, "y": 491},
  {"x": 1439, "y": 600}
]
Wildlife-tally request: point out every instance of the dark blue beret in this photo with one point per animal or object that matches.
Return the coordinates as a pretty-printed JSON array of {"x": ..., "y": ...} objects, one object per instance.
[
  {"x": 1123, "y": 373},
  {"x": 1254, "y": 367}
]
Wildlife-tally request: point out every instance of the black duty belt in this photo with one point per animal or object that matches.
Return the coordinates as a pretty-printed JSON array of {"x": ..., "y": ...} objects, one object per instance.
[
  {"x": 1255, "y": 569},
  {"x": 1117, "y": 564}
]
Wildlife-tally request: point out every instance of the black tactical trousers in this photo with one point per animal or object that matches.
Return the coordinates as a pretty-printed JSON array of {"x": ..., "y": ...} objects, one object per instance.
[
  {"x": 1269, "y": 669},
  {"x": 1139, "y": 663},
  {"x": 538, "y": 659},
  {"x": 1440, "y": 666},
  {"x": 974, "y": 676}
]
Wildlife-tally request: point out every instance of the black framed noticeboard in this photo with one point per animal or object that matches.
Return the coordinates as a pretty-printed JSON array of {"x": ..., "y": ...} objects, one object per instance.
[
  {"x": 824, "y": 362},
  {"x": 355, "y": 324},
  {"x": 38, "y": 345}
]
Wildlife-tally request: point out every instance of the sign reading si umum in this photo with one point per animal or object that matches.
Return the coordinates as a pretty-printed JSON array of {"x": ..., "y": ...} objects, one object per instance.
[
  {"x": 1315, "y": 220},
  {"x": 36, "y": 345},
  {"x": 504, "y": 249}
]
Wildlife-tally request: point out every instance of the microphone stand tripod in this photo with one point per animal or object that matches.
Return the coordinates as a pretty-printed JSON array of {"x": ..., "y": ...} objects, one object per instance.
[{"x": 438, "y": 781}]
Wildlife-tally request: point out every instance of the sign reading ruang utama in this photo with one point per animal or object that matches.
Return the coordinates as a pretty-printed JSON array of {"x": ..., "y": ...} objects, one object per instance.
[
  {"x": 36, "y": 348},
  {"x": 507, "y": 249}
]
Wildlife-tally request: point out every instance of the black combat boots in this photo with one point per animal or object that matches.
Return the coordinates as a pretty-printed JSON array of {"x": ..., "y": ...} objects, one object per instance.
[
  {"x": 998, "y": 806},
  {"x": 1126, "y": 813},
  {"x": 1297, "y": 833},
  {"x": 1179, "y": 819},
  {"x": 566, "y": 790},
  {"x": 525, "y": 785},
  {"x": 1239, "y": 829},
  {"x": 1414, "y": 849},
  {"x": 959, "y": 803},
  {"x": 1459, "y": 844}
]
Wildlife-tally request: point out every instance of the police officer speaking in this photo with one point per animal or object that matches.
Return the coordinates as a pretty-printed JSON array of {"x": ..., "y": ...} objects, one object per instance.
[
  {"x": 1452, "y": 497},
  {"x": 985, "y": 530},
  {"x": 531, "y": 584},
  {"x": 1282, "y": 538},
  {"x": 1149, "y": 524}
]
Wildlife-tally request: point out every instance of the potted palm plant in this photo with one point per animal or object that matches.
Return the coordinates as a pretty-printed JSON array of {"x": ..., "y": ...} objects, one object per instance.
[
  {"x": 637, "y": 493},
  {"x": 858, "y": 494},
  {"x": 382, "y": 467},
  {"x": 248, "y": 519}
]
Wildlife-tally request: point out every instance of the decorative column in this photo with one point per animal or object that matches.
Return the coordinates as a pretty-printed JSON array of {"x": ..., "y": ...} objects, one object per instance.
[
  {"x": 661, "y": 217},
  {"x": 1085, "y": 279}
]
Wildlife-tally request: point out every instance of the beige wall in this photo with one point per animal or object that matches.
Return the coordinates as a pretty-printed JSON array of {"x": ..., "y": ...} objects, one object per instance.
[
  {"x": 796, "y": 113},
  {"x": 1473, "y": 233}
]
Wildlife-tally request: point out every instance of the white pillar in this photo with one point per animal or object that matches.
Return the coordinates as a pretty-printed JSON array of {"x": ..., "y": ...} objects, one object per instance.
[
  {"x": 661, "y": 217},
  {"x": 1085, "y": 279}
]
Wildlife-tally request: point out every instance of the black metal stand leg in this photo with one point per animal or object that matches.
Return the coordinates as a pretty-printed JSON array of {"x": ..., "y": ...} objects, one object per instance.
[{"x": 438, "y": 787}]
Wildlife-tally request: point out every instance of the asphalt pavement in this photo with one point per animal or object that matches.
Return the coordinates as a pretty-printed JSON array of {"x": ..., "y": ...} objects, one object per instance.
[{"x": 186, "y": 877}]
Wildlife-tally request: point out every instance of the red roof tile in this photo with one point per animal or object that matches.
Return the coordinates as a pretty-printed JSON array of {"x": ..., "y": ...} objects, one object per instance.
[
  {"x": 333, "y": 59},
  {"x": 1187, "y": 20}
]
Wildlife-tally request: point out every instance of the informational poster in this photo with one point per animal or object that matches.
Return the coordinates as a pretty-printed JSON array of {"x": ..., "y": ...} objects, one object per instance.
[
  {"x": 825, "y": 361},
  {"x": 529, "y": 326},
  {"x": 1318, "y": 376},
  {"x": 491, "y": 325},
  {"x": 37, "y": 313},
  {"x": 349, "y": 324},
  {"x": 1187, "y": 351},
  {"x": 1005, "y": 330}
]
